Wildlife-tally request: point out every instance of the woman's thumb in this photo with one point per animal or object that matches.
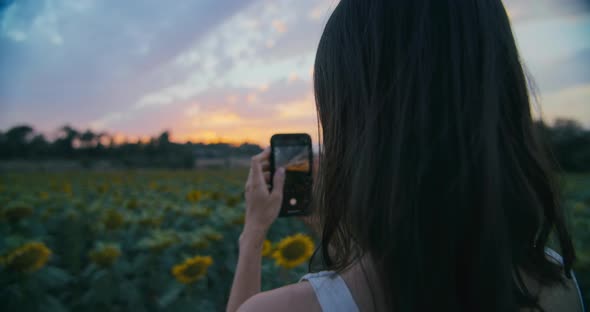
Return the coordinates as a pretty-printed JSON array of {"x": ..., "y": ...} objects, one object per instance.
[{"x": 278, "y": 182}]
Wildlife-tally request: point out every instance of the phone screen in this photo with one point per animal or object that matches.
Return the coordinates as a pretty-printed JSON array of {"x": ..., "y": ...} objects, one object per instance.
[
  {"x": 295, "y": 158},
  {"x": 293, "y": 152}
]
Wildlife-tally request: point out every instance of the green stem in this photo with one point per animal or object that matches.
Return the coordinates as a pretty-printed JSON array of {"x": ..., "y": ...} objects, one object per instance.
[{"x": 283, "y": 275}]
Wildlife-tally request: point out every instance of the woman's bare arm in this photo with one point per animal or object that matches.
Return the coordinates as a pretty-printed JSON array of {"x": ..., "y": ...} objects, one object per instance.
[
  {"x": 247, "y": 278},
  {"x": 262, "y": 209}
]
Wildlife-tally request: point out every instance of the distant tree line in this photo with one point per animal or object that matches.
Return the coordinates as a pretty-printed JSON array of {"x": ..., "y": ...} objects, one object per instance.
[
  {"x": 569, "y": 144},
  {"x": 567, "y": 140},
  {"x": 24, "y": 143}
]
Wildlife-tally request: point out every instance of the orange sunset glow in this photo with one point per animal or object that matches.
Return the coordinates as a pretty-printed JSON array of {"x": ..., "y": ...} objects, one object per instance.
[{"x": 237, "y": 71}]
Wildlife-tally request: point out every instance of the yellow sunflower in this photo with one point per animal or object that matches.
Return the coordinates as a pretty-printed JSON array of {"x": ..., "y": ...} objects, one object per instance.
[
  {"x": 28, "y": 258},
  {"x": 43, "y": 195},
  {"x": 199, "y": 212},
  {"x": 113, "y": 219},
  {"x": 194, "y": 196},
  {"x": 103, "y": 188},
  {"x": 67, "y": 188},
  {"x": 105, "y": 255},
  {"x": 579, "y": 207},
  {"x": 132, "y": 204},
  {"x": 192, "y": 269},
  {"x": 153, "y": 185},
  {"x": 294, "y": 250},
  {"x": 266, "y": 248}
]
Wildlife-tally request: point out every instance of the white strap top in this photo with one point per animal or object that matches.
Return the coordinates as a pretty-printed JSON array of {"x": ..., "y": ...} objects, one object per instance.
[
  {"x": 331, "y": 291},
  {"x": 334, "y": 296},
  {"x": 557, "y": 258}
]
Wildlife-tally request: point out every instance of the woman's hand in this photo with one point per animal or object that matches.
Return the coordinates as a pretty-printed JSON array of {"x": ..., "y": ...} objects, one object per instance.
[
  {"x": 262, "y": 206},
  {"x": 262, "y": 209}
]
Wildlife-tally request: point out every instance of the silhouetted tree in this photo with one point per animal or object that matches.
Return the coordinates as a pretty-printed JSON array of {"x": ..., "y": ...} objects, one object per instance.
[
  {"x": 39, "y": 147},
  {"x": 16, "y": 141},
  {"x": 87, "y": 139},
  {"x": 568, "y": 141},
  {"x": 64, "y": 145},
  {"x": 164, "y": 138},
  {"x": 571, "y": 144}
]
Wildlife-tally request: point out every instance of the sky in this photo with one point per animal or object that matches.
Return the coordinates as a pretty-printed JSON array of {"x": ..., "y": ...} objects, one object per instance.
[{"x": 223, "y": 70}]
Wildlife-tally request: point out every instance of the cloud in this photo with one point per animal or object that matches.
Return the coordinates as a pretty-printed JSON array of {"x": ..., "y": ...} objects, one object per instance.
[
  {"x": 216, "y": 120},
  {"x": 151, "y": 62},
  {"x": 46, "y": 24},
  {"x": 279, "y": 26},
  {"x": 223, "y": 60},
  {"x": 298, "y": 110},
  {"x": 526, "y": 10},
  {"x": 226, "y": 113},
  {"x": 89, "y": 59},
  {"x": 322, "y": 10},
  {"x": 563, "y": 73},
  {"x": 16, "y": 35},
  {"x": 39, "y": 20},
  {"x": 572, "y": 103},
  {"x": 192, "y": 110},
  {"x": 186, "y": 89},
  {"x": 218, "y": 69},
  {"x": 547, "y": 40},
  {"x": 106, "y": 120},
  {"x": 10, "y": 26}
]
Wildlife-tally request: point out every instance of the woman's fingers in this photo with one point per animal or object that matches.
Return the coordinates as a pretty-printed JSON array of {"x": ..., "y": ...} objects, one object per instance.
[
  {"x": 264, "y": 155},
  {"x": 256, "y": 175},
  {"x": 267, "y": 177},
  {"x": 265, "y": 165}
]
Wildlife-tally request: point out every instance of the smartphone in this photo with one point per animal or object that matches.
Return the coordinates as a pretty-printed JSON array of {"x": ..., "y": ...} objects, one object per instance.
[{"x": 294, "y": 153}]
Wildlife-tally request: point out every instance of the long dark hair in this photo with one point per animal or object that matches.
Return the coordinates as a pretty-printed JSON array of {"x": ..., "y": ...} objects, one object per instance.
[{"x": 430, "y": 163}]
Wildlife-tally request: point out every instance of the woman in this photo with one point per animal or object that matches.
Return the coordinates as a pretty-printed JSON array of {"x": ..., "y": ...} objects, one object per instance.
[{"x": 432, "y": 193}]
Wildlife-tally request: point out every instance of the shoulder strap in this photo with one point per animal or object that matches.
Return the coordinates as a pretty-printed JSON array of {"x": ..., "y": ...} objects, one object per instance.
[
  {"x": 331, "y": 291},
  {"x": 558, "y": 259}
]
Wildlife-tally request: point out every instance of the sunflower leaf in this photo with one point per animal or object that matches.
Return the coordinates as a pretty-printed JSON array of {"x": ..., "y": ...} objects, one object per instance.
[
  {"x": 89, "y": 270},
  {"x": 52, "y": 304},
  {"x": 54, "y": 277},
  {"x": 171, "y": 294}
]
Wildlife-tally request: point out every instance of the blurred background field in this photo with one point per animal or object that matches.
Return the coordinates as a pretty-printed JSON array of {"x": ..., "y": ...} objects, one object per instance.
[
  {"x": 152, "y": 240},
  {"x": 576, "y": 201},
  {"x": 131, "y": 240},
  {"x": 88, "y": 224}
]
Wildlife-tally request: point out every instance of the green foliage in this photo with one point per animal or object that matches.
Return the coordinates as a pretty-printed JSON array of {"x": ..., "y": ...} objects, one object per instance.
[
  {"x": 577, "y": 205},
  {"x": 115, "y": 237},
  {"x": 158, "y": 228},
  {"x": 569, "y": 143},
  {"x": 22, "y": 142}
]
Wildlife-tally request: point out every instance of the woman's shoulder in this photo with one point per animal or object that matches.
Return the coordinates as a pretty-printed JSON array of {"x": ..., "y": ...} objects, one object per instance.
[
  {"x": 293, "y": 297},
  {"x": 559, "y": 297}
]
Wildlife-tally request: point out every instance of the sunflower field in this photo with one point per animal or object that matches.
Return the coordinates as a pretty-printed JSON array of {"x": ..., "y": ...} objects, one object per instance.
[
  {"x": 132, "y": 241},
  {"x": 157, "y": 240}
]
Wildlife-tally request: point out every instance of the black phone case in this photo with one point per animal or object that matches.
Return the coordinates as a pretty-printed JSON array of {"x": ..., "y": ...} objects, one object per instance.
[{"x": 303, "y": 191}]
